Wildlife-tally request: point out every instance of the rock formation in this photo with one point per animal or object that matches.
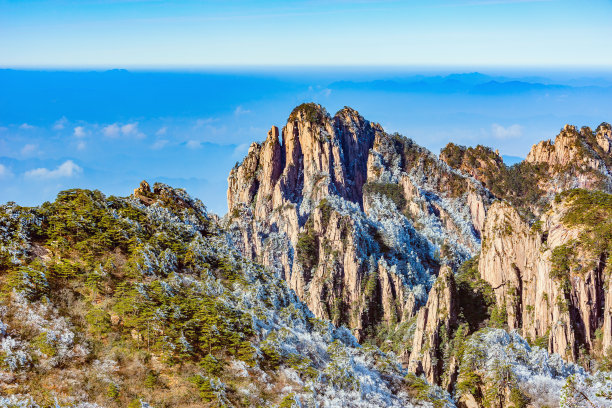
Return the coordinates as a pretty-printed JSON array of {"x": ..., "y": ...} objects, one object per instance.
[
  {"x": 576, "y": 159},
  {"x": 434, "y": 324},
  {"x": 368, "y": 229},
  {"x": 548, "y": 286},
  {"x": 358, "y": 221}
]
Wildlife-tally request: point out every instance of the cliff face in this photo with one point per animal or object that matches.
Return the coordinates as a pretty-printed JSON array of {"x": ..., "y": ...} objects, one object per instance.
[
  {"x": 434, "y": 325},
  {"x": 358, "y": 221},
  {"x": 368, "y": 229},
  {"x": 549, "y": 285}
]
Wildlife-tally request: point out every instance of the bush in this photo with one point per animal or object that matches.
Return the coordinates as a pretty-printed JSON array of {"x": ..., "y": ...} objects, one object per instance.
[
  {"x": 312, "y": 112},
  {"x": 391, "y": 190},
  {"x": 307, "y": 248},
  {"x": 475, "y": 296}
]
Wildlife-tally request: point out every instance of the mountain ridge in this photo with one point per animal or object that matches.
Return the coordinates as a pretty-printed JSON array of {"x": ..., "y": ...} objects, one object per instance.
[{"x": 354, "y": 268}]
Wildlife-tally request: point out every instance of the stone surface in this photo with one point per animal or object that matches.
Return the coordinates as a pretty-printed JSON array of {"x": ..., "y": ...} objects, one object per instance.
[
  {"x": 380, "y": 214},
  {"x": 516, "y": 261},
  {"x": 433, "y": 328}
]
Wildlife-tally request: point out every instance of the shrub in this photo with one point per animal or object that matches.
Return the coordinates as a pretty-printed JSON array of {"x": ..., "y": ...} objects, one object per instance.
[
  {"x": 391, "y": 190},
  {"x": 475, "y": 296},
  {"x": 312, "y": 112},
  {"x": 307, "y": 248}
]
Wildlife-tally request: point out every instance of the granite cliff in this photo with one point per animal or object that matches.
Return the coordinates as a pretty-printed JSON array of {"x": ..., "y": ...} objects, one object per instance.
[
  {"x": 357, "y": 220},
  {"x": 424, "y": 256}
]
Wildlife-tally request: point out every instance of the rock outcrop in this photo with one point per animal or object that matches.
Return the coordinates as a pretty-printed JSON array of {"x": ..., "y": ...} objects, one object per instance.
[
  {"x": 548, "y": 287},
  {"x": 368, "y": 227},
  {"x": 434, "y": 325},
  {"x": 576, "y": 159},
  {"x": 358, "y": 221}
]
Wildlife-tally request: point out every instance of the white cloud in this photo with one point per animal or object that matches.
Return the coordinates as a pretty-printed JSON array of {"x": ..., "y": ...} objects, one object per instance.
[
  {"x": 509, "y": 132},
  {"x": 79, "y": 131},
  {"x": 161, "y": 131},
  {"x": 81, "y": 145},
  {"x": 129, "y": 129},
  {"x": 240, "y": 150},
  {"x": 66, "y": 169},
  {"x": 25, "y": 126},
  {"x": 241, "y": 111},
  {"x": 159, "y": 144},
  {"x": 194, "y": 144},
  {"x": 29, "y": 149},
  {"x": 60, "y": 123},
  {"x": 5, "y": 172},
  {"x": 201, "y": 122},
  {"x": 111, "y": 130}
]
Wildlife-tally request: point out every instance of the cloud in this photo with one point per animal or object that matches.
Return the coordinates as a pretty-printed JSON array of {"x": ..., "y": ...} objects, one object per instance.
[
  {"x": 79, "y": 131},
  {"x": 60, "y": 123},
  {"x": 161, "y": 131},
  {"x": 25, "y": 126},
  {"x": 201, "y": 122},
  {"x": 29, "y": 149},
  {"x": 81, "y": 145},
  {"x": 510, "y": 132},
  {"x": 129, "y": 129},
  {"x": 240, "y": 150},
  {"x": 66, "y": 169},
  {"x": 241, "y": 111},
  {"x": 111, "y": 130},
  {"x": 159, "y": 144},
  {"x": 5, "y": 172},
  {"x": 194, "y": 144}
]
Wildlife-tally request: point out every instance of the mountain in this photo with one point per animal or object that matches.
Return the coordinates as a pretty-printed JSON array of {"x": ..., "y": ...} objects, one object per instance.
[
  {"x": 356, "y": 220},
  {"x": 422, "y": 255},
  {"x": 140, "y": 302},
  {"x": 354, "y": 268}
]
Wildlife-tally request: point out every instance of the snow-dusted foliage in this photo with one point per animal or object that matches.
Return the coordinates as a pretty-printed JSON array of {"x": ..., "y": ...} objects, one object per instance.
[
  {"x": 409, "y": 252},
  {"x": 506, "y": 360},
  {"x": 15, "y": 221},
  {"x": 150, "y": 287}
]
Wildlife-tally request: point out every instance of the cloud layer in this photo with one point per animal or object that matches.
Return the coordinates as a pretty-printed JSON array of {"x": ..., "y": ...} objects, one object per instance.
[
  {"x": 66, "y": 169},
  {"x": 510, "y": 132}
]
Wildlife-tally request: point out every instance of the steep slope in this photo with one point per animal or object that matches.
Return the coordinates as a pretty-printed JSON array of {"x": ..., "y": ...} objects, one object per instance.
[
  {"x": 108, "y": 301},
  {"x": 358, "y": 221},
  {"x": 500, "y": 369},
  {"x": 550, "y": 277}
]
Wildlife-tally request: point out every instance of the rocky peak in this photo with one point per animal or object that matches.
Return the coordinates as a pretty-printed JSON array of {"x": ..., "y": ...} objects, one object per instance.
[
  {"x": 358, "y": 221},
  {"x": 565, "y": 149},
  {"x": 576, "y": 159},
  {"x": 604, "y": 137},
  {"x": 480, "y": 162}
]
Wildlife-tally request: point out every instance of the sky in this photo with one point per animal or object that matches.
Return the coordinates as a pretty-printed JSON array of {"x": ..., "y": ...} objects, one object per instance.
[
  {"x": 103, "y": 94},
  {"x": 196, "y": 33}
]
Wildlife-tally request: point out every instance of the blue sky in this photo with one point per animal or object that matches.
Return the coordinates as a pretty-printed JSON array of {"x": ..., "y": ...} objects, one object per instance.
[
  {"x": 129, "y": 33},
  {"x": 102, "y": 94}
]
